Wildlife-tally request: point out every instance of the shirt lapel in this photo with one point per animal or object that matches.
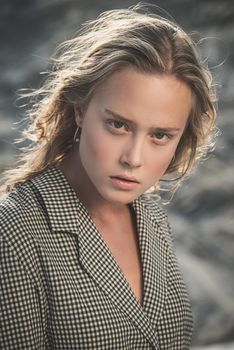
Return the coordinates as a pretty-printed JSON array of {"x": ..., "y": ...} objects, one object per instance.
[
  {"x": 154, "y": 256},
  {"x": 99, "y": 262}
]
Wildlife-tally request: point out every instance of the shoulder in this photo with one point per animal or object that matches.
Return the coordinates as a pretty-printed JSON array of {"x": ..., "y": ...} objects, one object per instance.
[
  {"x": 12, "y": 205},
  {"x": 158, "y": 215},
  {"x": 21, "y": 224},
  {"x": 16, "y": 203},
  {"x": 19, "y": 212},
  {"x": 152, "y": 207}
]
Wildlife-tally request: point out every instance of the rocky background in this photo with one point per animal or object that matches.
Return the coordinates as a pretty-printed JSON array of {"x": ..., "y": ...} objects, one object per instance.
[{"x": 202, "y": 212}]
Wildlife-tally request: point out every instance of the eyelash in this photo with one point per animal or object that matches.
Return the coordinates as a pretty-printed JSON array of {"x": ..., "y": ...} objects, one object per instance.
[
  {"x": 169, "y": 136},
  {"x": 111, "y": 123}
]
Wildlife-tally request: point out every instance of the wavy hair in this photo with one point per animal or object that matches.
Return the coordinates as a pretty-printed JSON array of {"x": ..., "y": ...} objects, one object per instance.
[{"x": 132, "y": 37}]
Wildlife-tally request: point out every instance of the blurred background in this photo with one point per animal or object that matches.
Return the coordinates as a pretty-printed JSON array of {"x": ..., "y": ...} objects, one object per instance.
[{"x": 202, "y": 211}]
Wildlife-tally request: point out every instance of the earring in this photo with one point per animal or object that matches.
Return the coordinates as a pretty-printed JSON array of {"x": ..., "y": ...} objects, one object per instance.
[{"x": 76, "y": 137}]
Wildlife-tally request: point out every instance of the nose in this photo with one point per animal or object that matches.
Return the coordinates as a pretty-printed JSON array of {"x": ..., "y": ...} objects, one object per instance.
[{"x": 132, "y": 155}]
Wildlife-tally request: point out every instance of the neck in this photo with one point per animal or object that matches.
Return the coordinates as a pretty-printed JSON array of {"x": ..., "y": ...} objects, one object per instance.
[{"x": 102, "y": 210}]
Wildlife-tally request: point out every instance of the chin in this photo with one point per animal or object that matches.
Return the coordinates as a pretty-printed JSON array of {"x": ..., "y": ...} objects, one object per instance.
[{"x": 122, "y": 198}]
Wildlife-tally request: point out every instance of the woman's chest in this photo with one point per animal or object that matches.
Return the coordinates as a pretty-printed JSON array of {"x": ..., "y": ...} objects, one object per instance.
[
  {"x": 124, "y": 246},
  {"x": 81, "y": 314},
  {"x": 87, "y": 301}
]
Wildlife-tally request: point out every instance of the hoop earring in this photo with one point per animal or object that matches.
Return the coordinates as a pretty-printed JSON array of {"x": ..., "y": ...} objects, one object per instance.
[{"x": 76, "y": 137}]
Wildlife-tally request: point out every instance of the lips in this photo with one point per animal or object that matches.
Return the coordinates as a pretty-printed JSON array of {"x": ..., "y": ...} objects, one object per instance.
[
  {"x": 123, "y": 183},
  {"x": 125, "y": 178}
]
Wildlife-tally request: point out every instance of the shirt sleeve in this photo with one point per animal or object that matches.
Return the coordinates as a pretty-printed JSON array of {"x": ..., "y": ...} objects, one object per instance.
[{"x": 21, "y": 323}]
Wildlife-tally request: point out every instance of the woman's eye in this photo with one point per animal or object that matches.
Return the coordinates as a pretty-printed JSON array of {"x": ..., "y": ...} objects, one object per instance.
[
  {"x": 161, "y": 136},
  {"x": 116, "y": 125}
]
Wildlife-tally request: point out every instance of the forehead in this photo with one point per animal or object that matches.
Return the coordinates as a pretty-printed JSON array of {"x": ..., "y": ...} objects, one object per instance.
[{"x": 147, "y": 97}]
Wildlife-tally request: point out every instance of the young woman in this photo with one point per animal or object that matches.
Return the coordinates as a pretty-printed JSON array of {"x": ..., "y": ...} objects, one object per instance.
[{"x": 87, "y": 260}]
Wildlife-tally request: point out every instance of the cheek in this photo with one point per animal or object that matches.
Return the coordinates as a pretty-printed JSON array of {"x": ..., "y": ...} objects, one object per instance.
[
  {"x": 95, "y": 148},
  {"x": 158, "y": 163}
]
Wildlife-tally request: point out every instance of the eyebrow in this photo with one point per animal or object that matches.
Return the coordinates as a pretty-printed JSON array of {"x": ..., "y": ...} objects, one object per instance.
[{"x": 124, "y": 119}]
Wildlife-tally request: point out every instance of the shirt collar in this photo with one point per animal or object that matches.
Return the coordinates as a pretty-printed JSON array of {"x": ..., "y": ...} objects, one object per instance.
[{"x": 65, "y": 210}]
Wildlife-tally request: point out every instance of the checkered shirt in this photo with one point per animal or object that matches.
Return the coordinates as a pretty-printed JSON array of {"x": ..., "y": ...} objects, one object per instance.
[{"x": 61, "y": 287}]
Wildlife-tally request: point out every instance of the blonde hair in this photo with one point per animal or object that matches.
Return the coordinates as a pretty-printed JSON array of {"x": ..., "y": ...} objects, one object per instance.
[{"x": 116, "y": 39}]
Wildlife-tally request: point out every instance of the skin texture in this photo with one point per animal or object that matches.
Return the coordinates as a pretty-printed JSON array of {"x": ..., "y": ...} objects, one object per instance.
[{"x": 157, "y": 107}]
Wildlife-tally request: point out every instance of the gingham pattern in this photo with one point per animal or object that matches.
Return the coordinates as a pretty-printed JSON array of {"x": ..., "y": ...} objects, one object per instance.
[{"x": 61, "y": 287}]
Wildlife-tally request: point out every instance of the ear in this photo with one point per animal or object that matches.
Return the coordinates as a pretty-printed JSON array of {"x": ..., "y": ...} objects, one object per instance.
[{"x": 78, "y": 115}]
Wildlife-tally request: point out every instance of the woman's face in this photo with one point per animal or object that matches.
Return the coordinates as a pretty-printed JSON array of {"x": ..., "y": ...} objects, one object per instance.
[{"x": 130, "y": 130}]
